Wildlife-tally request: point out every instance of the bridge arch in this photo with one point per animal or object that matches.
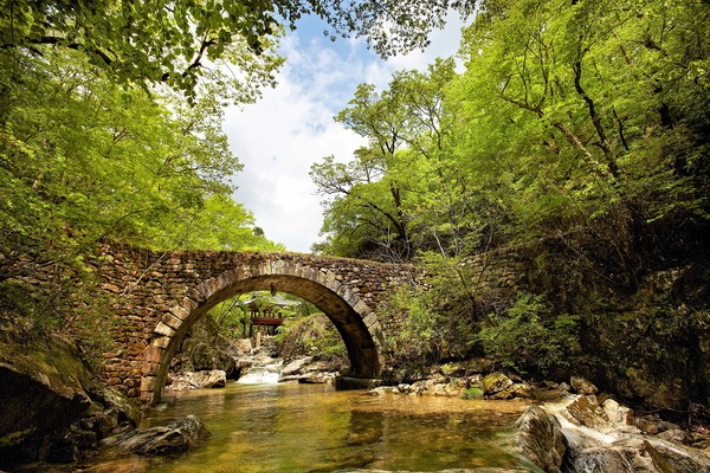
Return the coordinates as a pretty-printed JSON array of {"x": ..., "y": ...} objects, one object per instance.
[{"x": 355, "y": 320}]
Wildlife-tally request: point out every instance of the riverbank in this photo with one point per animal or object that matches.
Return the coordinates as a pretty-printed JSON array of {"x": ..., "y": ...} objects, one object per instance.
[{"x": 296, "y": 427}]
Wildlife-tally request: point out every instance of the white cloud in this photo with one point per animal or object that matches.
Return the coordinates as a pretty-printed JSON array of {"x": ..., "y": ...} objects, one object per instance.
[
  {"x": 292, "y": 127},
  {"x": 279, "y": 138},
  {"x": 444, "y": 43}
]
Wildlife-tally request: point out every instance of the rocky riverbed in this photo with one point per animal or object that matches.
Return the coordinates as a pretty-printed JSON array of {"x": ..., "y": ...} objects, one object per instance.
[
  {"x": 570, "y": 427},
  {"x": 574, "y": 428}
]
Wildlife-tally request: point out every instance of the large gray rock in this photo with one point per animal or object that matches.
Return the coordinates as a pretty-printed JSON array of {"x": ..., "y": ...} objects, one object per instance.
[
  {"x": 296, "y": 366},
  {"x": 209, "y": 379},
  {"x": 517, "y": 390},
  {"x": 33, "y": 404},
  {"x": 318, "y": 378},
  {"x": 51, "y": 406},
  {"x": 179, "y": 436},
  {"x": 619, "y": 416},
  {"x": 198, "y": 380},
  {"x": 243, "y": 345},
  {"x": 539, "y": 437},
  {"x": 635, "y": 454},
  {"x": 585, "y": 411},
  {"x": 204, "y": 348}
]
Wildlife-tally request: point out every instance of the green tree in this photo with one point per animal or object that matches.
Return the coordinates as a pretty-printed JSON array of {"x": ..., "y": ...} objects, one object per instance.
[
  {"x": 576, "y": 134},
  {"x": 373, "y": 198},
  {"x": 83, "y": 159},
  {"x": 179, "y": 43}
]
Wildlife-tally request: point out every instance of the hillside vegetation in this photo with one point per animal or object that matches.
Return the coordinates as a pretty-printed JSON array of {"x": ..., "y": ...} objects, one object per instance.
[{"x": 575, "y": 134}]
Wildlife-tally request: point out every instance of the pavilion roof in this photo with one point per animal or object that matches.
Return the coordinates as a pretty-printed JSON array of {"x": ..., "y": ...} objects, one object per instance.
[{"x": 270, "y": 300}]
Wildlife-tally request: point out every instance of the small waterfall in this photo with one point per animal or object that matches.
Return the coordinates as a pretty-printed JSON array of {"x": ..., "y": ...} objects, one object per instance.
[{"x": 268, "y": 374}]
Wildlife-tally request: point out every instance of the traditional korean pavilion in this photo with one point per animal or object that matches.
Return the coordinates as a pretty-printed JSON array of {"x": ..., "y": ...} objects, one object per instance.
[{"x": 266, "y": 314}]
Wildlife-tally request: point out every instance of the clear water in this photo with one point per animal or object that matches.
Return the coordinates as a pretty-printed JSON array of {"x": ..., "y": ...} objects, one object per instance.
[{"x": 293, "y": 427}]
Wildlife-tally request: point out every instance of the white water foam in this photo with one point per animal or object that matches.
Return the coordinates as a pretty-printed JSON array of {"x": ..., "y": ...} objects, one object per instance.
[{"x": 269, "y": 374}]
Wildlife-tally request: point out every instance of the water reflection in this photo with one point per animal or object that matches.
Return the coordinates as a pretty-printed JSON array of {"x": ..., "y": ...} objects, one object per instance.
[{"x": 310, "y": 428}]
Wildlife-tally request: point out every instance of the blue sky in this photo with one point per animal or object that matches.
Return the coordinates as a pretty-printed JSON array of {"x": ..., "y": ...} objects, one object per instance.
[{"x": 278, "y": 138}]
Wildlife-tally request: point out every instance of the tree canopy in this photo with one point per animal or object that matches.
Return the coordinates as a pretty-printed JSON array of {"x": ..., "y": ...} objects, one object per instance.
[
  {"x": 188, "y": 43},
  {"x": 569, "y": 119}
]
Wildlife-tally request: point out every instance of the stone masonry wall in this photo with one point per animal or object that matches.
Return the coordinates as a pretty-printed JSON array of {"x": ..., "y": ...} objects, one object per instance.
[{"x": 147, "y": 285}]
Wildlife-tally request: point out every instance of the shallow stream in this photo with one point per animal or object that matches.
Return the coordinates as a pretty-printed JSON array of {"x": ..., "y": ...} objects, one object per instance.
[{"x": 292, "y": 427}]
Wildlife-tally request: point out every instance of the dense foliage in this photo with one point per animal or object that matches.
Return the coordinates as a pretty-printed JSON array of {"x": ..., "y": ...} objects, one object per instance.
[
  {"x": 311, "y": 335},
  {"x": 178, "y": 43},
  {"x": 566, "y": 115},
  {"x": 86, "y": 157},
  {"x": 576, "y": 132},
  {"x": 110, "y": 125}
]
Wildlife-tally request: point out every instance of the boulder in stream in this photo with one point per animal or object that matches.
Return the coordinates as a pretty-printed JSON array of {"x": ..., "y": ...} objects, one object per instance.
[
  {"x": 539, "y": 437},
  {"x": 618, "y": 415},
  {"x": 583, "y": 386},
  {"x": 517, "y": 390},
  {"x": 495, "y": 383},
  {"x": 634, "y": 454},
  {"x": 179, "y": 436},
  {"x": 296, "y": 366},
  {"x": 209, "y": 379},
  {"x": 585, "y": 411},
  {"x": 198, "y": 380}
]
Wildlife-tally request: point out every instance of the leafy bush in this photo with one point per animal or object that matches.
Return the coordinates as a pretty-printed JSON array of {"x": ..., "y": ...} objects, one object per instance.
[
  {"x": 528, "y": 337},
  {"x": 473, "y": 392},
  {"x": 420, "y": 340},
  {"x": 311, "y": 335}
]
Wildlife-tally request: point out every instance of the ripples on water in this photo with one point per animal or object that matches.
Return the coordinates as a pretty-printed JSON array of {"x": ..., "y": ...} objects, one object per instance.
[{"x": 295, "y": 428}]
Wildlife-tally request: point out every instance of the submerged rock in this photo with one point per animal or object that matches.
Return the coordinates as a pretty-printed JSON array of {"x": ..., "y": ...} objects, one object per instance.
[
  {"x": 382, "y": 390},
  {"x": 539, "y": 437},
  {"x": 179, "y": 436}
]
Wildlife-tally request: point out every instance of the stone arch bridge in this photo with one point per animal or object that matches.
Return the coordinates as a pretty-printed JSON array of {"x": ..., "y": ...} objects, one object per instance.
[{"x": 157, "y": 297}]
